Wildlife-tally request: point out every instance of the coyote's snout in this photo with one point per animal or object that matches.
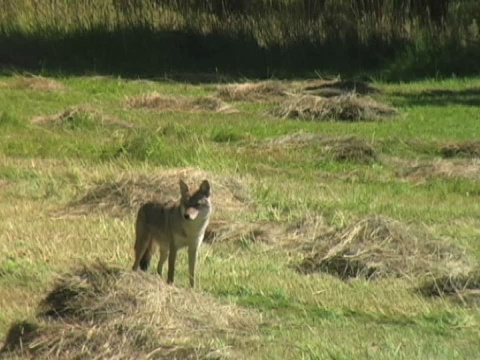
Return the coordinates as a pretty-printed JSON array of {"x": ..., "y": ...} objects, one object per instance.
[{"x": 173, "y": 226}]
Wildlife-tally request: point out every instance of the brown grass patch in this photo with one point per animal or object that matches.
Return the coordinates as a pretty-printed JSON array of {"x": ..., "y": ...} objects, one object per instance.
[
  {"x": 103, "y": 312},
  {"x": 125, "y": 194},
  {"x": 79, "y": 116},
  {"x": 260, "y": 91},
  {"x": 161, "y": 102},
  {"x": 464, "y": 287},
  {"x": 350, "y": 107},
  {"x": 378, "y": 247},
  {"x": 37, "y": 83},
  {"x": 4, "y": 183},
  {"x": 469, "y": 149},
  {"x": 329, "y": 88},
  {"x": 421, "y": 171}
]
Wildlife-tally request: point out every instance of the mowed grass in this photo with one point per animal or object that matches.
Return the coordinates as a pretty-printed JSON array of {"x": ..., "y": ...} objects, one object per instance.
[{"x": 44, "y": 167}]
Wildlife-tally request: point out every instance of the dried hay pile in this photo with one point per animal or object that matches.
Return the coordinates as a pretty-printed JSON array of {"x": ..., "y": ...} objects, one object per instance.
[
  {"x": 349, "y": 107},
  {"x": 37, "y": 83},
  {"x": 470, "y": 149},
  {"x": 79, "y": 116},
  {"x": 421, "y": 171},
  {"x": 329, "y": 88},
  {"x": 377, "y": 247},
  {"x": 161, "y": 102},
  {"x": 464, "y": 287},
  {"x": 104, "y": 312},
  {"x": 127, "y": 193},
  {"x": 260, "y": 91}
]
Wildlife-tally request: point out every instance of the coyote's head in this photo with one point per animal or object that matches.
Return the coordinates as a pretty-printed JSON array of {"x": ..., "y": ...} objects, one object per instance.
[{"x": 195, "y": 204}]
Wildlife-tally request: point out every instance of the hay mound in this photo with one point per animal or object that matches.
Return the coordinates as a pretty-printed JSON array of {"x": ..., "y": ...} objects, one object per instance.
[
  {"x": 79, "y": 117},
  {"x": 127, "y": 193},
  {"x": 161, "y": 102},
  {"x": 38, "y": 83},
  {"x": 353, "y": 149},
  {"x": 463, "y": 286},
  {"x": 103, "y": 312},
  {"x": 424, "y": 170},
  {"x": 261, "y": 91},
  {"x": 329, "y": 88},
  {"x": 470, "y": 149},
  {"x": 377, "y": 247},
  {"x": 350, "y": 107}
]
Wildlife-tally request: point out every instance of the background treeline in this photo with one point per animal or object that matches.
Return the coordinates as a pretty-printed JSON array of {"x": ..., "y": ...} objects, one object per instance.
[{"x": 396, "y": 38}]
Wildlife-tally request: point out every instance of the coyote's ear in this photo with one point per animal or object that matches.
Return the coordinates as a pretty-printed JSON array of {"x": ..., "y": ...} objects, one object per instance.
[
  {"x": 183, "y": 188},
  {"x": 205, "y": 188}
]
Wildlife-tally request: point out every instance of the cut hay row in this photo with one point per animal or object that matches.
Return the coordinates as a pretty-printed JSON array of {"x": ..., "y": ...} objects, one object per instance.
[
  {"x": 277, "y": 90},
  {"x": 105, "y": 312},
  {"x": 355, "y": 150},
  {"x": 350, "y": 107},
  {"x": 229, "y": 231},
  {"x": 330, "y": 88},
  {"x": 299, "y": 138},
  {"x": 358, "y": 150},
  {"x": 267, "y": 232},
  {"x": 421, "y": 171},
  {"x": 378, "y": 246},
  {"x": 464, "y": 287},
  {"x": 156, "y": 101},
  {"x": 125, "y": 194},
  {"x": 340, "y": 148},
  {"x": 260, "y": 91},
  {"x": 37, "y": 83},
  {"x": 468, "y": 149},
  {"x": 79, "y": 116}
]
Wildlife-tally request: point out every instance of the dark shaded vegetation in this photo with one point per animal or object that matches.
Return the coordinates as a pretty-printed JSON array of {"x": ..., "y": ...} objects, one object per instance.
[
  {"x": 174, "y": 53},
  {"x": 254, "y": 38}
]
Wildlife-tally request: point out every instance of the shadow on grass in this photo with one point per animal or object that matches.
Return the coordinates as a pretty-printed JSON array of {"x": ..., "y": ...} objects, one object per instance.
[
  {"x": 191, "y": 56},
  {"x": 143, "y": 52},
  {"x": 442, "y": 97}
]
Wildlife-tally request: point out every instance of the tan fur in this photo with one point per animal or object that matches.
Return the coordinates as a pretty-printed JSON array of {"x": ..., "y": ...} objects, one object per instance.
[{"x": 173, "y": 226}]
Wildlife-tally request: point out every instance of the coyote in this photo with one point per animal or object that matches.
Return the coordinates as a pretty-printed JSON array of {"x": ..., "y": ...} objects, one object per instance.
[{"x": 173, "y": 226}]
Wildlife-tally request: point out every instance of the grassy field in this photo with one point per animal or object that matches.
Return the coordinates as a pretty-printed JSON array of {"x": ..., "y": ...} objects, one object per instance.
[{"x": 282, "y": 191}]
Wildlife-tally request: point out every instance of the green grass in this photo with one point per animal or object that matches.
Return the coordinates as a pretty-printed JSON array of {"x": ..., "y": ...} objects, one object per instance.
[{"x": 43, "y": 168}]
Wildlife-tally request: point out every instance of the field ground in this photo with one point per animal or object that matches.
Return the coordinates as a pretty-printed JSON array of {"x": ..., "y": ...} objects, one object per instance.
[{"x": 281, "y": 188}]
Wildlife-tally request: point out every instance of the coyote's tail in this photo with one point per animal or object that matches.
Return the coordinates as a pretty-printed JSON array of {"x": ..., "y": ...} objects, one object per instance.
[
  {"x": 147, "y": 256},
  {"x": 141, "y": 240}
]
